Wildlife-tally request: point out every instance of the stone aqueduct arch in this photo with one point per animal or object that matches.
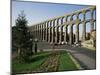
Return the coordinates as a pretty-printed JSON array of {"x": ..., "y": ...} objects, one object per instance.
[{"x": 52, "y": 30}]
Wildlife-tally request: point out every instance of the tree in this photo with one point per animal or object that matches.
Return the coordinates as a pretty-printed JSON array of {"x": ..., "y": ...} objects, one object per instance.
[{"x": 22, "y": 38}]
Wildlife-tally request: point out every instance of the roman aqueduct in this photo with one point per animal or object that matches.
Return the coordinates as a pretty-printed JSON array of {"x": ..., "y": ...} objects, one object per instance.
[{"x": 55, "y": 30}]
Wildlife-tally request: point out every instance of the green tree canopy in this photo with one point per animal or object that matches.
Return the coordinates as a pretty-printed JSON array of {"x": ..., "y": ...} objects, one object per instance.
[{"x": 21, "y": 37}]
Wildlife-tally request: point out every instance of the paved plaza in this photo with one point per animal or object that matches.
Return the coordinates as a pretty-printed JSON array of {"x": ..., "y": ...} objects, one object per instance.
[{"x": 85, "y": 57}]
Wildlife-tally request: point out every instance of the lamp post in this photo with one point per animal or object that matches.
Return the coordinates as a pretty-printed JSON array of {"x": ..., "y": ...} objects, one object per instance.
[{"x": 35, "y": 48}]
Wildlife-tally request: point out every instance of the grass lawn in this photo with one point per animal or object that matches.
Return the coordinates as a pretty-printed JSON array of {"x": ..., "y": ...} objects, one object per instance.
[
  {"x": 38, "y": 59},
  {"x": 64, "y": 62}
]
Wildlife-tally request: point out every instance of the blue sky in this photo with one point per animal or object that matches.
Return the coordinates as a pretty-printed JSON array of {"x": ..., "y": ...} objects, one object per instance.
[{"x": 38, "y": 12}]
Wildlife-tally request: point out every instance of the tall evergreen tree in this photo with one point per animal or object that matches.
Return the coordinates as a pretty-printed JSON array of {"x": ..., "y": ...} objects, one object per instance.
[{"x": 22, "y": 39}]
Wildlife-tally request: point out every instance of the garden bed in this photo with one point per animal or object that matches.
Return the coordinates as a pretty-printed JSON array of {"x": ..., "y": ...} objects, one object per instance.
[{"x": 50, "y": 61}]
